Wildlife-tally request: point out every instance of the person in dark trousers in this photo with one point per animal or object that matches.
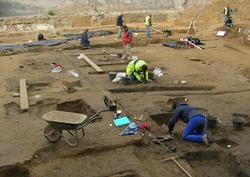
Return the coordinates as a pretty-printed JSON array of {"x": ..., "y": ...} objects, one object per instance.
[
  {"x": 41, "y": 37},
  {"x": 85, "y": 39},
  {"x": 228, "y": 16},
  {"x": 119, "y": 24},
  {"x": 196, "y": 121},
  {"x": 148, "y": 24},
  {"x": 135, "y": 68}
]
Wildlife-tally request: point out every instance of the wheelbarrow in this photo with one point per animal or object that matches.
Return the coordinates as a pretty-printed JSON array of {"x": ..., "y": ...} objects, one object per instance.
[{"x": 72, "y": 123}]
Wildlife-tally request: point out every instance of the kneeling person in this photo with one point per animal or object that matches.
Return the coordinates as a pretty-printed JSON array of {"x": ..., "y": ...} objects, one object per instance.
[
  {"x": 85, "y": 39},
  {"x": 196, "y": 121},
  {"x": 135, "y": 68}
]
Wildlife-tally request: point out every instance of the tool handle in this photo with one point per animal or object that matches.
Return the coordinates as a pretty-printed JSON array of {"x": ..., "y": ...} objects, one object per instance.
[{"x": 181, "y": 167}]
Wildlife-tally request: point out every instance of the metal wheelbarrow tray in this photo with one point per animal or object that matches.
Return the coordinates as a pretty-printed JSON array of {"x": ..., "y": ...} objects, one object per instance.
[
  {"x": 72, "y": 123},
  {"x": 59, "y": 121},
  {"x": 64, "y": 120}
]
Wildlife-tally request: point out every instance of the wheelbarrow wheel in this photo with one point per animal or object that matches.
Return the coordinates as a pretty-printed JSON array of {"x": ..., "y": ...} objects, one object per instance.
[{"x": 52, "y": 134}]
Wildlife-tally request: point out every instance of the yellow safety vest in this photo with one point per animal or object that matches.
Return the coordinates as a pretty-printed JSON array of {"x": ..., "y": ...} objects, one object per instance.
[
  {"x": 134, "y": 67},
  {"x": 225, "y": 11},
  {"x": 147, "y": 20}
]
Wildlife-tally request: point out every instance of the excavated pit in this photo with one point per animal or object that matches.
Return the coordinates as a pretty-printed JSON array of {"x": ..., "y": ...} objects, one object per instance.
[
  {"x": 124, "y": 174},
  {"x": 52, "y": 104},
  {"x": 16, "y": 170},
  {"x": 12, "y": 109},
  {"x": 161, "y": 118},
  {"x": 76, "y": 106},
  {"x": 43, "y": 106},
  {"x": 212, "y": 164},
  {"x": 12, "y": 85},
  {"x": 226, "y": 143}
]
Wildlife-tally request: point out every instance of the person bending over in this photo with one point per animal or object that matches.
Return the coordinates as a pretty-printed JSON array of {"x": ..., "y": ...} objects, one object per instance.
[
  {"x": 135, "y": 68},
  {"x": 195, "y": 121}
]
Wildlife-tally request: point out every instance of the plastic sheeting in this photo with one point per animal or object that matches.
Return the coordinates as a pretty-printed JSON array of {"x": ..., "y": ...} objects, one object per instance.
[
  {"x": 10, "y": 47},
  {"x": 175, "y": 45},
  {"x": 90, "y": 34},
  {"x": 49, "y": 42}
]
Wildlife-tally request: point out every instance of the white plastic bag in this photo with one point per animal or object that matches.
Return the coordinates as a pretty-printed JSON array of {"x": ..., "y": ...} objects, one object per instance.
[
  {"x": 57, "y": 69},
  {"x": 158, "y": 72},
  {"x": 119, "y": 76},
  {"x": 73, "y": 73}
]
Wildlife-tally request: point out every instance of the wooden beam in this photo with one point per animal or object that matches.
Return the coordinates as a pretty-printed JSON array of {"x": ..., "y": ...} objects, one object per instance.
[
  {"x": 91, "y": 63},
  {"x": 195, "y": 45},
  {"x": 24, "y": 101}
]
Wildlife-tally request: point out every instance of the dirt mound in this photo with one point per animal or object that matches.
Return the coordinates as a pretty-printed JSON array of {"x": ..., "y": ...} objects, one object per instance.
[{"x": 211, "y": 16}]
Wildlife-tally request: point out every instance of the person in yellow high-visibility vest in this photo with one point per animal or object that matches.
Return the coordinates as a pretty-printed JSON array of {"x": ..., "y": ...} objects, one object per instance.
[
  {"x": 227, "y": 13},
  {"x": 148, "y": 24},
  {"x": 135, "y": 68}
]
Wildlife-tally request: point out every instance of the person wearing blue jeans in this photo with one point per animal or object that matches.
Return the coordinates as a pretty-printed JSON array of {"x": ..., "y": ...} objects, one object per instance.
[
  {"x": 196, "y": 122},
  {"x": 132, "y": 77},
  {"x": 148, "y": 24},
  {"x": 148, "y": 31}
]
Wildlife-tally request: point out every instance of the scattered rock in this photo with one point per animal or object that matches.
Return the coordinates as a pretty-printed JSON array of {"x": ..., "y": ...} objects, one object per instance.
[
  {"x": 183, "y": 82},
  {"x": 16, "y": 95}
]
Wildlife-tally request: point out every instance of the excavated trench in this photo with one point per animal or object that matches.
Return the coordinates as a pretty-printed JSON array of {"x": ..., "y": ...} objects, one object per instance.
[
  {"x": 211, "y": 163},
  {"x": 161, "y": 88},
  {"x": 161, "y": 118},
  {"x": 16, "y": 170},
  {"x": 124, "y": 174},
  {"x": 51, "y": 104},
  {"x": 226, "y": 143},
  {"x": 76, "y": 106},
  {"x": 45, "y": 162},
  {"x": 140, "y": 42}
]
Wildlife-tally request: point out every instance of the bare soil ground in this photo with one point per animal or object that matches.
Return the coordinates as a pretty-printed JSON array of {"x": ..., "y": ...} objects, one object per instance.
[{"x": 223, "y": 67}]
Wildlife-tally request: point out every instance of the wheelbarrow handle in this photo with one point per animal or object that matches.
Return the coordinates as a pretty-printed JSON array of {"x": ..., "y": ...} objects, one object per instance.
[{"x": 93, "y": 117}]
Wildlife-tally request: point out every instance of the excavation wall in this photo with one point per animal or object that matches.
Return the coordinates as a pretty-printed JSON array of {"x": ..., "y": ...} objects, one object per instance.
[{"x": 31, "y": 7}]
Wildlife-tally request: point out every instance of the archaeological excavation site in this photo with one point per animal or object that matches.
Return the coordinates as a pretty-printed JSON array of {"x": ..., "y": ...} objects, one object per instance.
[{"x": 124, "y": 88}]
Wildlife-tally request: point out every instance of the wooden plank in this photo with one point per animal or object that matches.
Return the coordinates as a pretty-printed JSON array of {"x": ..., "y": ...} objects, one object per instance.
[
  {"x": 24, "y": 102},
  {"x": 195, "y": 45},
  {"x": 91, "y": 63}
]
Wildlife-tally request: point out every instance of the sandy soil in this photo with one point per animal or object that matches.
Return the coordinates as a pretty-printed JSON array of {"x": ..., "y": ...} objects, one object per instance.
[
  {"x": 222, "y": 64},
  {"x": 223, "y": 67}
]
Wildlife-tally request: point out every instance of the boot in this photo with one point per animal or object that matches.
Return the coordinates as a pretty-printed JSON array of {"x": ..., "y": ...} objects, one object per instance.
[{"x": 205, "y": 139}]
